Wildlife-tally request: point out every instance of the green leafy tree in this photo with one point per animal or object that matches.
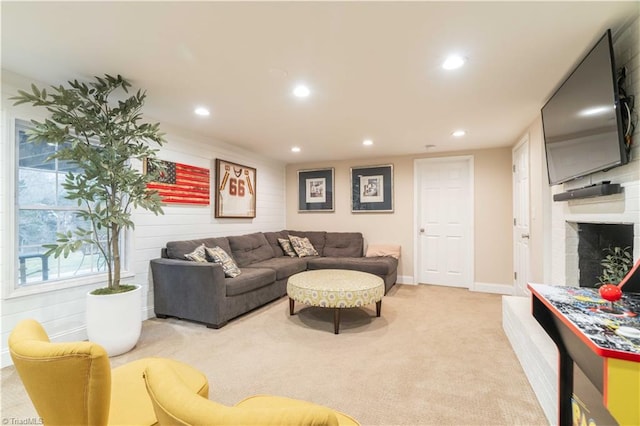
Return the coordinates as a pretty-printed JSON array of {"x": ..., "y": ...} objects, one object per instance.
[{"x": 101, "y": 136}]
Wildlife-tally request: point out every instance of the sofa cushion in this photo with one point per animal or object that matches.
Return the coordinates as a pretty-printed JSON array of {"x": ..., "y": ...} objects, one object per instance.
[
  {"x": 302, "y": 246},
  {"x": 381, "y": 266},
  {"x": 178, "y": 249},
  {"x": 250, "y": 279},
  {"x": 284, "y": 266},
  {"x": 250, "y": 248},
  {"x": 221, "y": 257},
  {"x": 273, "y": 237},
  {"x": 343, "y": 244},
  {"x": 197, "y": 255},
  {"x": 316, "y": 238},
  {"x": 287, "y": 248}
]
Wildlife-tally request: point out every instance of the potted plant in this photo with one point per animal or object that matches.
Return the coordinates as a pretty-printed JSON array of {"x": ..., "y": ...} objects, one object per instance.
[
  {"x": 615, "y": 264},
  {"x": 101, "y": 133}
]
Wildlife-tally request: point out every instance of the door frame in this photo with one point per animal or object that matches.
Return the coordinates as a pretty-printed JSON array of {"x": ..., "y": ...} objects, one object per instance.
[
  {"x": 523, "y": 142},
  {"x": 470, "y": 226}
]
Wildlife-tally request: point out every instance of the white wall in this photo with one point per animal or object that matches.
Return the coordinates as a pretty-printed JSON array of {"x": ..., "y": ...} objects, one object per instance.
[
  {"x": 62, "y": 311},
  {"x": 493, "y": 266}
]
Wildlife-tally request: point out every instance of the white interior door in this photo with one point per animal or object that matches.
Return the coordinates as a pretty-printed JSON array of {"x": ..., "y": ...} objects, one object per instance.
[
  {"x": 521, "y": 217},
  {"x": 444, "y": 216}
]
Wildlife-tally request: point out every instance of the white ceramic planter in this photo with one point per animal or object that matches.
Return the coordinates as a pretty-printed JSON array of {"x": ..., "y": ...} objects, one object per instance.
[{"x": 114, "y": 321}]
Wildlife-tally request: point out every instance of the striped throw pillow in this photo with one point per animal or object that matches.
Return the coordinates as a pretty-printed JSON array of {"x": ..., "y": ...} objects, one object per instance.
[{"x": 286, "y": 246}]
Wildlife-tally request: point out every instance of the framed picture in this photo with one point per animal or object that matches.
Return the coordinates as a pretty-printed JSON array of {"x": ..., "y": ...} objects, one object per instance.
[
  {"x": 235, "y": 190},
  {"x": 372, "y": 189},
  {"x": 315, "y": 190}
]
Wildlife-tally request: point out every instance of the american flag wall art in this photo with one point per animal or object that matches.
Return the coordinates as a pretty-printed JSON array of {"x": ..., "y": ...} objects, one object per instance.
[{"x": 181, "y": 184}]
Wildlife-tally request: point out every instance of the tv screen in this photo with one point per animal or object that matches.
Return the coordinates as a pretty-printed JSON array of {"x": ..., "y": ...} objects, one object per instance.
[{"x": 582, "y": 121}]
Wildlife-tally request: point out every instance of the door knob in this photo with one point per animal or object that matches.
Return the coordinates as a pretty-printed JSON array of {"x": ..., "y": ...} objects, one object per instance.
[{"x": 524, "y": 236}]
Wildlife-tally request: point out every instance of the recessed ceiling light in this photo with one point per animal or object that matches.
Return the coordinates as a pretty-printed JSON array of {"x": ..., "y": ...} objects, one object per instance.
[
  {"x": 453, "y": 62},
  {"x": 202, "y": 111},
  {"x": 458, "y": 133},
  {"x": 367, "y": 142},
  {"x": 301, "y": 91},
  {"x": 295, "y": 149}
]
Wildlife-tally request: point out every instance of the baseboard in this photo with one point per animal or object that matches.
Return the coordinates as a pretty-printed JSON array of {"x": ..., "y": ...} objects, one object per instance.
[
  {"x": 72, "y": 335},
  {"x": 148, "y": 312},
  {"x": 405, "y": 279},
  {"x": 492, "y": 288},
  {"x": 5, "y": 359}
]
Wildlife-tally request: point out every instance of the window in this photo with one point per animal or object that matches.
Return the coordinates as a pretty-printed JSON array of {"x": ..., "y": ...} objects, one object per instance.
[{"x": 43, "y": 211}]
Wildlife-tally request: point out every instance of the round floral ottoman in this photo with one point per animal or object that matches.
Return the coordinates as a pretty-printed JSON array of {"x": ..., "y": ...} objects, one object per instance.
[{"x": 336, "y": 289}]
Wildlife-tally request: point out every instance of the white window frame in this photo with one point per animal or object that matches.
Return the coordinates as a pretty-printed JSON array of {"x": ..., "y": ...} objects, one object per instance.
[{"x": 11, "y": 270}]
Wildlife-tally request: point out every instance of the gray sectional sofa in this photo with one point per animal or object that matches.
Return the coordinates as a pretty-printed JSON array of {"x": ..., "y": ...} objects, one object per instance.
[{"x": 201, "y": 292}]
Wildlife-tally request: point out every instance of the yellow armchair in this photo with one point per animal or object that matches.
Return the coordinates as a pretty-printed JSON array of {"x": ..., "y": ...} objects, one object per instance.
[
  {"x": 73, "y": 383},
  {"x": 176, "y": 404}
]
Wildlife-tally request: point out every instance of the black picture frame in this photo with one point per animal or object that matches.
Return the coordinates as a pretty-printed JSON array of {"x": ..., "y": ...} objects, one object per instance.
[
  {"x": 372, "y": 189},
  {"x": 315, "y": 190}
]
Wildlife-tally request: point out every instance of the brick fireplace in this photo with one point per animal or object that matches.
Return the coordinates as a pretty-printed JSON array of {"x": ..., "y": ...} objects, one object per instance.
[
  {"x": 590, "y": 240},
  {"x": 602, "y": 221}
]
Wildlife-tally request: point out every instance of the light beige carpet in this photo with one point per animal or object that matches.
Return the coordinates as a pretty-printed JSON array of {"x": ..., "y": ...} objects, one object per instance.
[{"x": 436, "y": 356}]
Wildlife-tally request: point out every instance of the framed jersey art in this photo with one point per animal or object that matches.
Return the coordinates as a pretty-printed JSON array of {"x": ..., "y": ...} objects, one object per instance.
[{"x": 235, "y": 190}]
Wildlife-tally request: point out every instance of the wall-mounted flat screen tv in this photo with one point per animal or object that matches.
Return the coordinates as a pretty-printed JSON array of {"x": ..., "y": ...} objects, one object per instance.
[{"x": 582, "y": 121}]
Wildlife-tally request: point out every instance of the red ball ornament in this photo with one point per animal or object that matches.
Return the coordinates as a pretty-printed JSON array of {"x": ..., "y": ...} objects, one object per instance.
[{"x": 610, "y": 292}]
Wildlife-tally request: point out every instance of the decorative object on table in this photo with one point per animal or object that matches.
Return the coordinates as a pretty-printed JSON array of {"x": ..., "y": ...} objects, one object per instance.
[
  {"x": 101, "y": 136},
  {"x": 179, "y": 183},
  {"x": 315, "y": 190},
  {"x": 235, "y": 190},
  {"x": 372, "y": 189},
  {"x": 615, "y": 264}
]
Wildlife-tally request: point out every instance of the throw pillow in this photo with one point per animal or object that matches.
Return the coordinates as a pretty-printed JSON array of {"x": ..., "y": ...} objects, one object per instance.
[
  {"x": 218, "y": 255},
  {"x": 375, "y": 250},
  {"x": 302, "y": 246},
  {"x": 287, "y": 247},
  {"x": 197, "y": 255}
]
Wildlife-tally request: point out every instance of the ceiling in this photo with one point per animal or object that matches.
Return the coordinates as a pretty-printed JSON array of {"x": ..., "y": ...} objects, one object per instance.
[{"x": 374, "y": 68}]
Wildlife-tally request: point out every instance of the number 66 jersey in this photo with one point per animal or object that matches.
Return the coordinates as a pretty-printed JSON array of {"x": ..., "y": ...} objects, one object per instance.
[{"x": 237, "y": 191}]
